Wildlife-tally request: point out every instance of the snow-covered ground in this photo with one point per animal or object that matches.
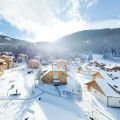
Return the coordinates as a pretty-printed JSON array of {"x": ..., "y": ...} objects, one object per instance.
[
  {"x": 94, "y": 107},
  {"x": 36, "y": 102},
  {"x": 39, "y": 101}
]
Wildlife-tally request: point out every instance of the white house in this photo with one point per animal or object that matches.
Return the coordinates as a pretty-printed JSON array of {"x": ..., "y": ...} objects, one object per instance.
[{"x": 108, "y": 92}]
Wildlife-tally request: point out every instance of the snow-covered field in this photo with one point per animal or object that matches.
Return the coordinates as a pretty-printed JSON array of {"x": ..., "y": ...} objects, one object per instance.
[
  {"x": 39, "y": 101},
  {"x": 36, "y": 102}
]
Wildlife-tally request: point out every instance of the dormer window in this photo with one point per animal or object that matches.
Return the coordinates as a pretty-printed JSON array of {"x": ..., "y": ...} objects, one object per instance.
[{"x": 115, "y": 86}]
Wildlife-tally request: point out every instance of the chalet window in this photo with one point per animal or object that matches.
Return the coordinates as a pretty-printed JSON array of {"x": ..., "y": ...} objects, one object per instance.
[
  {"x": 55, "y": 75},
  {"x": 62, "y": 75},
  {"x": 48, "y": 76}
]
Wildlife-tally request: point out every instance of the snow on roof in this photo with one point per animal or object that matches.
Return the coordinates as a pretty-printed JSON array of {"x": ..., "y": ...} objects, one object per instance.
[
  {"x": 88, "y": 68},
  {"x": 52, "y": 68},
  {"x": 105, "y": 75},
  {"x": 5, "y": 56},
  {"x": 115, "y": 84},
  {"x": 33, "y": 60},
  {"x": 1, "y": 60},
  {"x": 110, "y": 66},
  {"x": 22, "y": 55},
  {"x": 58, "y": 68},
  {"x": 60, "y": 60},
  {"x": 12, "y": 57},
  {"x": 106, "y": 88},
  {"x": 36, "y": 56}
]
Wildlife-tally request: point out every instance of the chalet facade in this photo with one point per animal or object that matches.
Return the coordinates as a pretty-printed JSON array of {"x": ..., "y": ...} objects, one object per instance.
[
  {"x": 7, "y": 60},
  {"x": 55, "y": 77},
  {"x": 34, "y": 64},
  {"x": 1, "y": 67},
  {"x": 22, "y": 58},
  {"x": 105, "y": 91}
]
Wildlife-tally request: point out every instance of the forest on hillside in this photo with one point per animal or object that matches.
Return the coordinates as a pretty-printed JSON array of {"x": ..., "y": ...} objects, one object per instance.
[{"x": 103, "y": 41}]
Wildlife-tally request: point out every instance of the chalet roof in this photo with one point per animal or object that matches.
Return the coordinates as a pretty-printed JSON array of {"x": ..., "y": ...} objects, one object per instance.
[
  {"x": 5, "y": 56},
  {"x": 22, "y": 55},
  {"x": 94, "y": 84},
  {"x": 36, "y": 56},
  {"x": 89, "y": 69},
  {"x": 115, "y": 84},
  {"x": 106, "y": 88},
  {"x": 105, "y": 75},
  {"x": 60, "y": 60},
  {"x": 54, "y": 69},
  {"x": 1, "y": 60},
  {"x": 33, "y": 60}
]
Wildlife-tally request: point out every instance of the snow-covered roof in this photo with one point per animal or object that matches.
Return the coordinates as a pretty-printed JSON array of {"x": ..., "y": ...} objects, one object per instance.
[
  {"x": 1, "y": 60},
  {"x": 5, "y": 56},
  {"x": 106, "y": 88},
  {"x": 36, "y": 56},
  {"x": 60, "y": 60},
  {"x": 105, "y": 75},
  {"x": 11, "y": 57},
  {"x": 22, "y": 55},
  {"x": 115, "y": 84},
  {"x": 33, "y": 60},
  {"x": 50, "y": 68},
  {"x": 110, "y": 66},
  {"x": 88, "y": 68},
  {"x": 54, "y": 68}
]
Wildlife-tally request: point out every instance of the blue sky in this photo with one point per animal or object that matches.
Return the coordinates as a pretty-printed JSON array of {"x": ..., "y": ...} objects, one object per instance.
[
  {"x": 45, "y": 20},
  {"x": 104, "y": 10},
  {"x": 7, "y": 29}
]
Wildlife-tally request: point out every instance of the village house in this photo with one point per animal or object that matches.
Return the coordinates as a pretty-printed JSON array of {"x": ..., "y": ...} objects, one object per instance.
[
  {"x": 7, "y": 60},
  {"x": 37, "y": 58},
  {"x": 108, "y": 92},
  {"x": 60, "y": 63},
  {"x": 86, "y": 69},
  {"x": 100, "y": 65},
  {"x": 34, "y": 64},
  {"x": 10, "y": 54},
  {"x": 54, "y": 76},
  {"x": 22, "y": 58},
  {"x": 1, "y": 70},
  {"x": 116, "y": 68},
  {"x": 3, "y": 64},
  {"x": 1, "y": 67}
]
